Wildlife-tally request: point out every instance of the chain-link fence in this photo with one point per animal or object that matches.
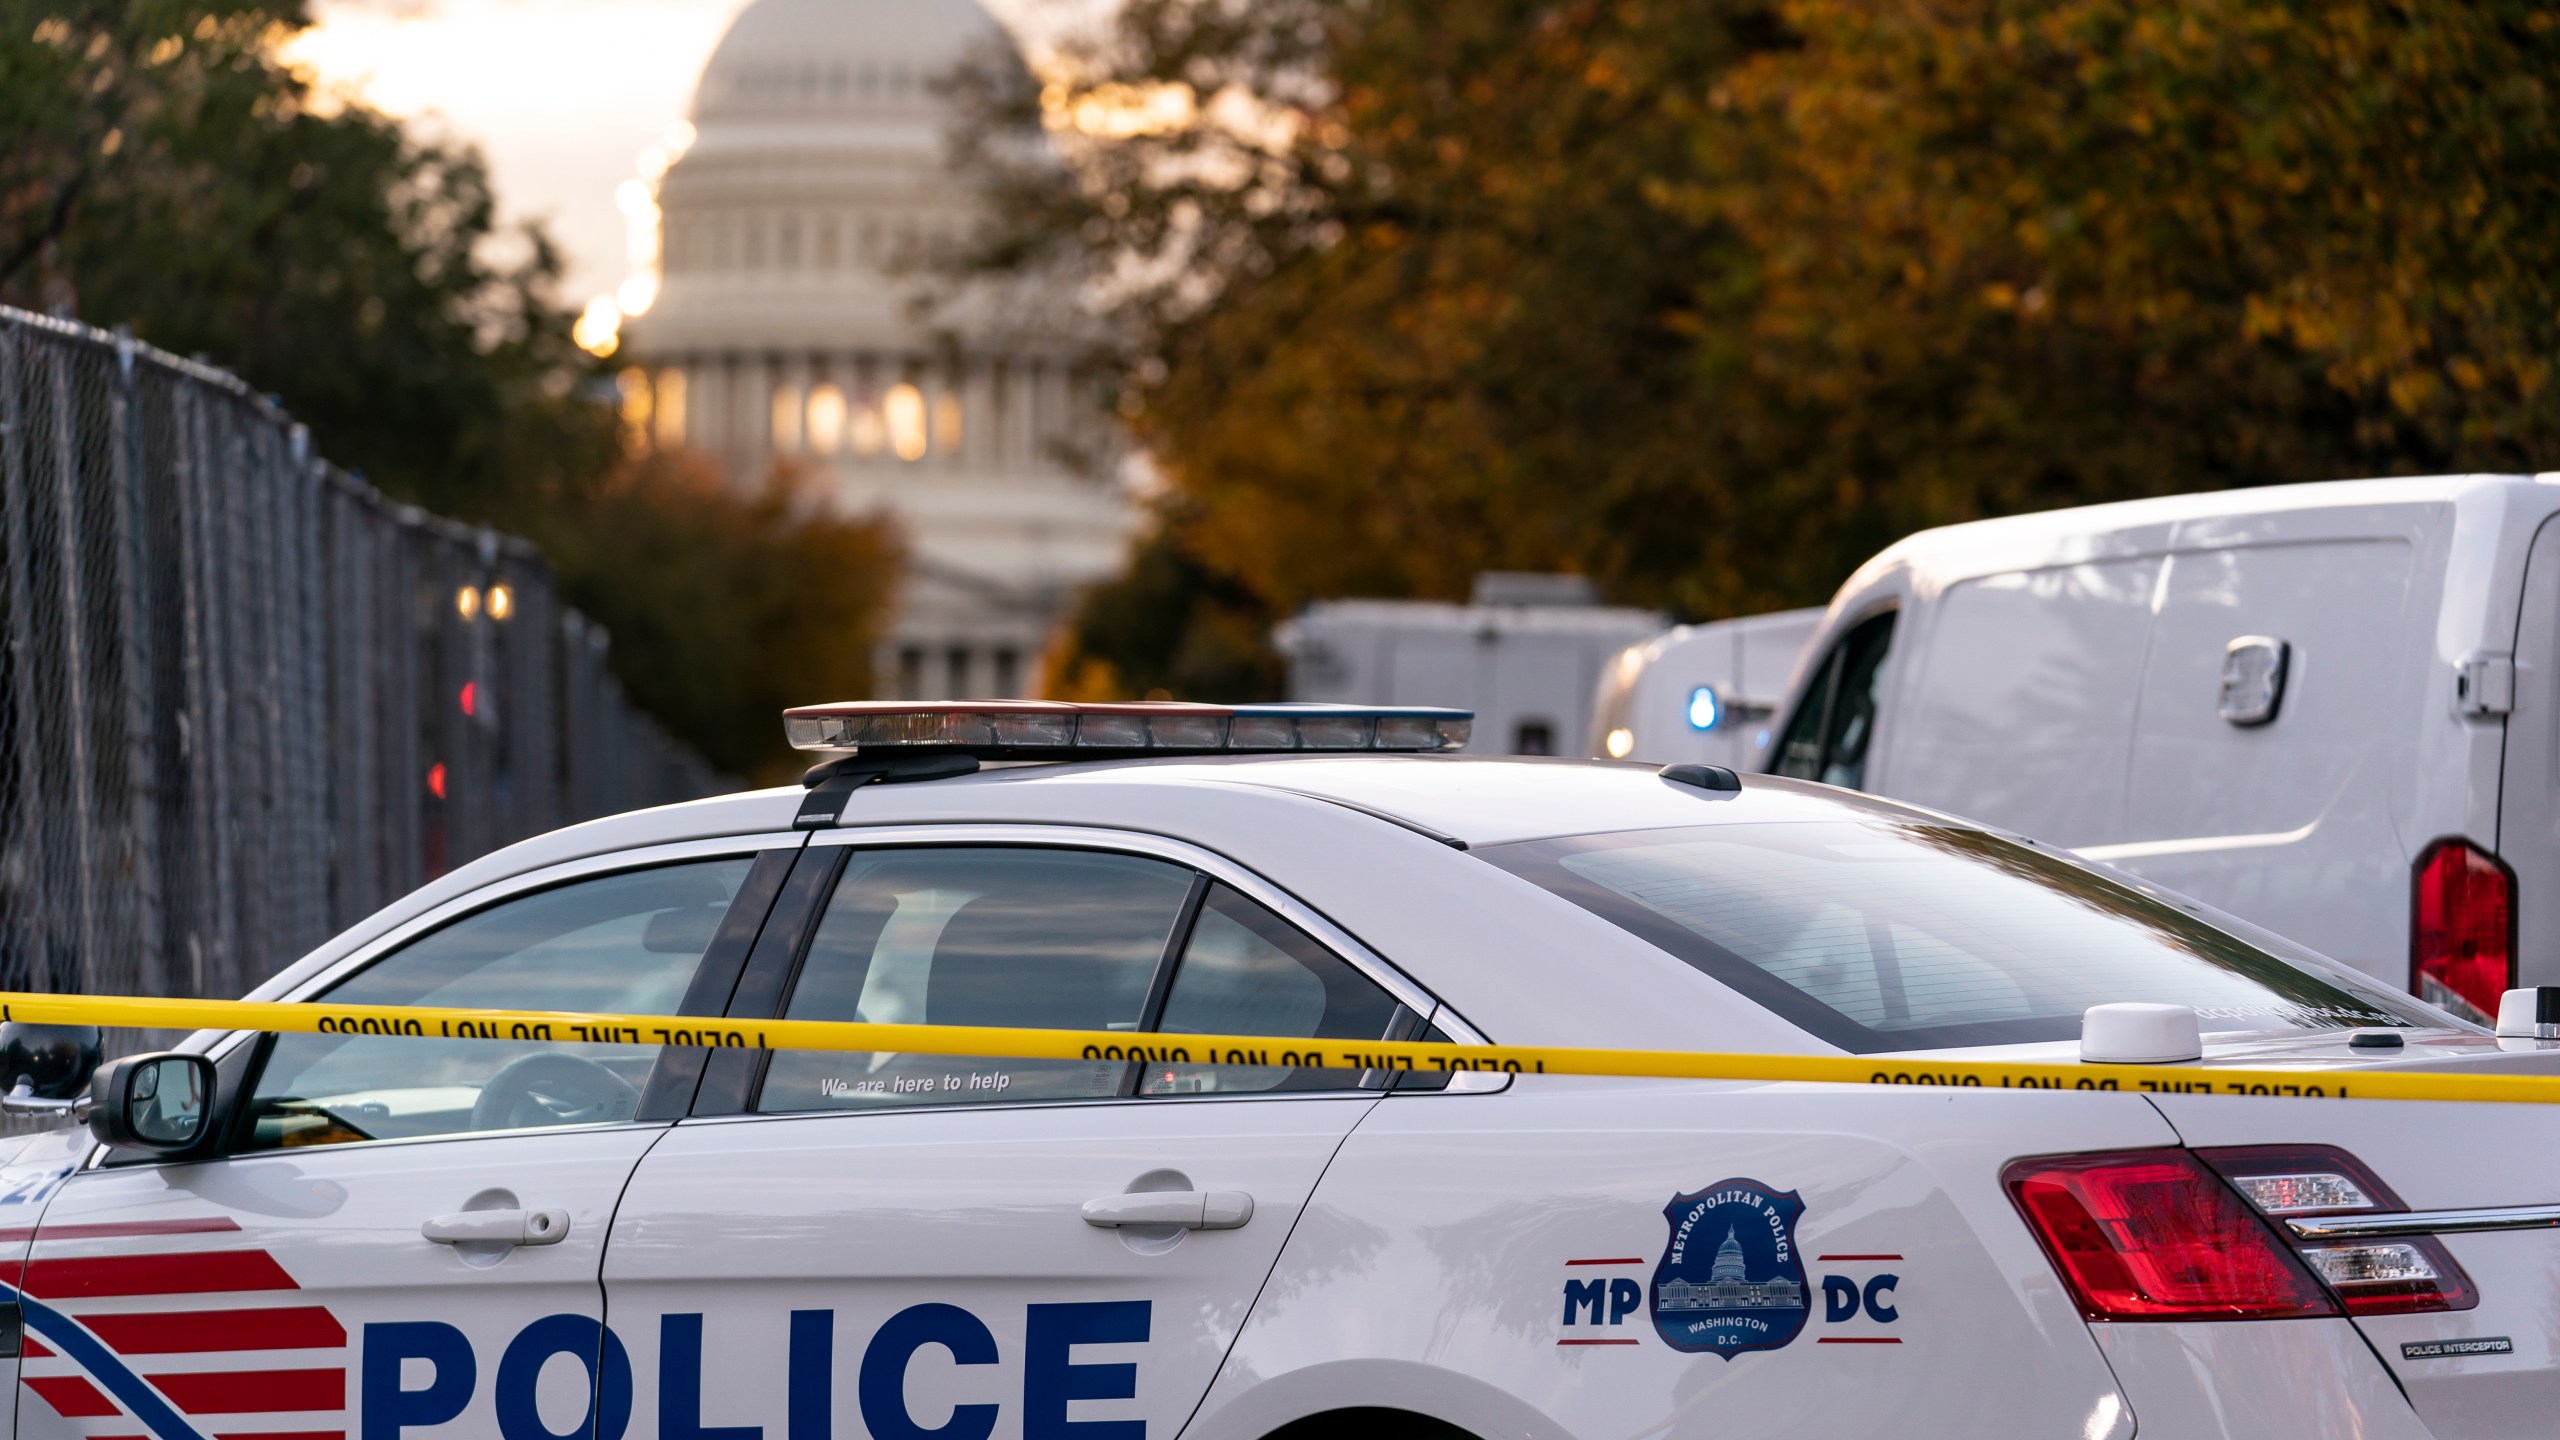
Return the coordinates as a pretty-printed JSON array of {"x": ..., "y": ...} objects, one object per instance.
[{"x": 245, "y": 700}]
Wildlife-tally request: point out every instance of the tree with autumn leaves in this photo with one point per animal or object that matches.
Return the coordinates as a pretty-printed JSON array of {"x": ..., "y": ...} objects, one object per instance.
[{"x": 1710, "y": 299}]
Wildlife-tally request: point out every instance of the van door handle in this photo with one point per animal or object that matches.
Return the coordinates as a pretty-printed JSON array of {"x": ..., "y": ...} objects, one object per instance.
[
  {"x": 499, "y": 1227},
  {"x": 1190, "y": 1209}
]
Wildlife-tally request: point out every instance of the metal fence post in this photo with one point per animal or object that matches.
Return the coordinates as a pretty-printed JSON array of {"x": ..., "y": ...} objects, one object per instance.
[
  {"x": 27, "y": 923},
  {"x": 74, "y": 621},
  {"x": 142, "y": 789}
]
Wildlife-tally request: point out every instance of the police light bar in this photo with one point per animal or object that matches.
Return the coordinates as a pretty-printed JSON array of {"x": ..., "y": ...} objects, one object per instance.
[{"x": 1052, "y": 730}]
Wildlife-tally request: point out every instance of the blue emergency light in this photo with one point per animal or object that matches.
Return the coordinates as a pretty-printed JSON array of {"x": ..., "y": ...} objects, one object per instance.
[{"x": 1704, "y": 709}]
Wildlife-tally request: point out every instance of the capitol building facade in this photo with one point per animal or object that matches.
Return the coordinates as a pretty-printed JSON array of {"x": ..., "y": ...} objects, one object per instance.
[{"x": 784, "y": 330}]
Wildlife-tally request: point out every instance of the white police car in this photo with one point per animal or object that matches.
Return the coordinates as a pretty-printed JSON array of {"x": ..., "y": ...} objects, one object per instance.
[{"x": 385, "y": 1238}]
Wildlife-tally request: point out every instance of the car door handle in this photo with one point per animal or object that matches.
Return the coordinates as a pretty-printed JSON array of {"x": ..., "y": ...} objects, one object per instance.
[
  {"x": 499, "y": 1227},
  {"x": 1190, "y": 1209}
]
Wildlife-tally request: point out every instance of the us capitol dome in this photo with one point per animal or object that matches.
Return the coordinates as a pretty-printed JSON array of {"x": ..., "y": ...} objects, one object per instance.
[{"x": 781, "y": 330}]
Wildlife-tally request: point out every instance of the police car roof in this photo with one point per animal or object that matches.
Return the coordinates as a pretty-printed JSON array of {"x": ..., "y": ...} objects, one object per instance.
[
  {"x": 1362, "y": 837},
  {"x": 1476, "y": 800},
  {"x": 1394, "y": 763},
  {"x": 1358, "y": 836}
]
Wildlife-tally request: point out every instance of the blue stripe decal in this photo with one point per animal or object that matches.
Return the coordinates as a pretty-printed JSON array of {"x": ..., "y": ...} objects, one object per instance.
[{"x": 83, "y": 1349}]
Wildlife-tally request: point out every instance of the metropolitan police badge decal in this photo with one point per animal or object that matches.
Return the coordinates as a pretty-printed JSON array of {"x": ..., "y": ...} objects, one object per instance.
[{"x": 1731, "y": 1280}]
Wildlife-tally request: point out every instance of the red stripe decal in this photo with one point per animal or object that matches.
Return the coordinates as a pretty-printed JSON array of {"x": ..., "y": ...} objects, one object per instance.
[
  {"x": 1637, "y": 1261},
  {"x": 1857, "y": 1340},
  {"x": 1596, "y": 1342},
  {"x": 1820, "y": 1258},
  {"x": 202, "y": 1332},
  {"x": 35, "y": 1348},
  {"x": 254, "y": 1392},
  {"x": 187, "y": 1273},
  {"x": 124, "y": 1229},
  {"x": 70, "y": 1396}
]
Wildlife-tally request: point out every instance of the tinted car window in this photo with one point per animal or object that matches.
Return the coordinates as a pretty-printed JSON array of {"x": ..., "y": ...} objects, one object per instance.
[
  {"x": 1828, "y": 736},
  {"x": 626, "y": 943},
  {"x": 1890, "y": 936},
  {"x": 1041, "y": 939},
  {"x": 1245, "y": 971}
]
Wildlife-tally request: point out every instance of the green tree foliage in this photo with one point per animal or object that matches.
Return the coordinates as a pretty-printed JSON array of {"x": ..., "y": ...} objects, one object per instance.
[
  {"x": 173, "y": 175},
  {"x": 1167, "y": 627},
  {"x": 1712, "y": 298},
  {"x": 162, "y": 168},
  {"x": 2009, "y": 256},
  {"x": 667, "y": 537},
  {"x": 86, "y": 91}
]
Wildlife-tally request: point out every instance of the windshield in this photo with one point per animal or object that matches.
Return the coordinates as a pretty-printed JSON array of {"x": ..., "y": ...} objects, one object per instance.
[{"x": 1876, "y": 935}]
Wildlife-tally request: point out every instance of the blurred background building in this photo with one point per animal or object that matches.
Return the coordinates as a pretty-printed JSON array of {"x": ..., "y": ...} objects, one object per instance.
[{"x": 784, "y": 329}]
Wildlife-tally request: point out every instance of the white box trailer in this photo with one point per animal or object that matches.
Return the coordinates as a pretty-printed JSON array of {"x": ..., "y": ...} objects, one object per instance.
[
  {"x": 1703, "y": 694},
  {"x": 2332, "y": 709},
  {"x": 1524, "y": 656}
]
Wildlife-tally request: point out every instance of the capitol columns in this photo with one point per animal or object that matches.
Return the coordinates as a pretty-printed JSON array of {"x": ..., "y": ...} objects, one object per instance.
[
  {"x": 1013, "y": 439},
  {"x": 1030, "y": 408},
  {"x": 719, "y": 404},
  {"x": 791, "y": 405},
  {"x": 980, "y": 449},
  {"x": 706, "y": 399},
  {"x": 754, "y": 413}
]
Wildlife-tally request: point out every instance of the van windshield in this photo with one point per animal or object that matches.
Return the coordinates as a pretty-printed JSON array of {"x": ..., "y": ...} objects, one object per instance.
[{"x": 1879, "y": 935}]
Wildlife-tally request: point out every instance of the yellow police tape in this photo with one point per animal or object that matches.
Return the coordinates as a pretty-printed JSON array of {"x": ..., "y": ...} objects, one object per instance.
[{"x": 571, "y": 1027}]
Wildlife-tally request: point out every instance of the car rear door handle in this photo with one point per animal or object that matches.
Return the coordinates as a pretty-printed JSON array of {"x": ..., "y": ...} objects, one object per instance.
[
  {"x": 1190, "y": 1209},
  {"x": 499, "y": 1227}
]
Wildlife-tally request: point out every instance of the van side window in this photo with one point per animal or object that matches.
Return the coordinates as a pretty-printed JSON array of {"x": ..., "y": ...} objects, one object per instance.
[{"x": 1827, "y": 738}]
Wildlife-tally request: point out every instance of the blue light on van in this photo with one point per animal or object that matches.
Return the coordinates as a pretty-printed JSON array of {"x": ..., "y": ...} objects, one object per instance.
[{"x": 1704, "y": 711}]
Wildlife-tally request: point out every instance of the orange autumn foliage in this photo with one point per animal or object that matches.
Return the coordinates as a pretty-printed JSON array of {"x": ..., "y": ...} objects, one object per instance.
[{"x": 1711, "y": 299}]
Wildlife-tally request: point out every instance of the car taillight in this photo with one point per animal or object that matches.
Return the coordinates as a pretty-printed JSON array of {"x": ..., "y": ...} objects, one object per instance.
[
  {"x": 2462, "y": 929},
  {"x": 2378, "y": 1275},
  {"x": 2155, "y": 1235}
]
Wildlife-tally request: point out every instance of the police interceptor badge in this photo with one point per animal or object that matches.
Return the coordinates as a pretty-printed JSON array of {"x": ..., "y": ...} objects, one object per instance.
[{"x": 1731, "y": 1280}]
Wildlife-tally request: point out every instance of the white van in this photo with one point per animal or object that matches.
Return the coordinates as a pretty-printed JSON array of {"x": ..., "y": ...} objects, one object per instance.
[
  {"x": 1524, "y": 654},
  {"x": 1704, "y": 694},
  {"x": 2332, "y": 709}
]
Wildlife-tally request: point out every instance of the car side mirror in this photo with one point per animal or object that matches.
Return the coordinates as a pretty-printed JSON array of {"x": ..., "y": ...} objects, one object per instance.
[
  {"x": 43, "y": 1068},
  {"x": 159, "y": 1103}
]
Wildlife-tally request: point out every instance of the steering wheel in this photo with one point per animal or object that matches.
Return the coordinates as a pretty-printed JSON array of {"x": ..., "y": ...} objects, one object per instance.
[{"x": 553, "y": 1088}]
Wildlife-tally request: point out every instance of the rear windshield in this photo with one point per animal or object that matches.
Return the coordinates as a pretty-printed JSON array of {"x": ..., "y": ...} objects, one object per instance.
[{"x": 1877, "y": 935}]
